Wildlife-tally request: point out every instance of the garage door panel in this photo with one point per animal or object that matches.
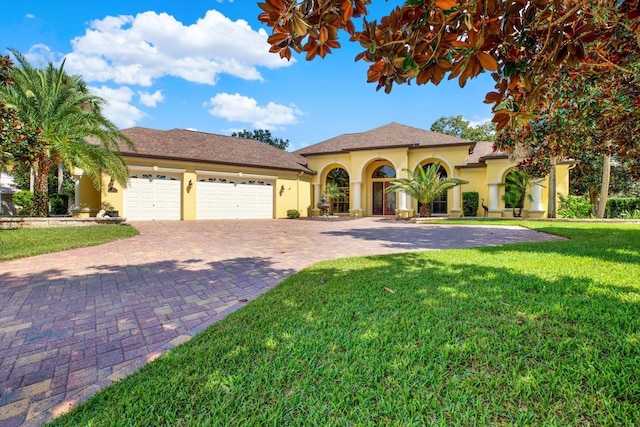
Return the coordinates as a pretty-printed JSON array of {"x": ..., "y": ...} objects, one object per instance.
[
  {"x": 233, "y": 200},
  {"x": 152, "y": 197}
]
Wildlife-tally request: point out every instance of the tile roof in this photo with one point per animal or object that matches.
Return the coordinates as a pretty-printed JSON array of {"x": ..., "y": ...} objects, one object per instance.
[
  {"x": 387, "y": 136},
  {"x": 180, "y": 144},
  {"x": 482, "y": 151}
]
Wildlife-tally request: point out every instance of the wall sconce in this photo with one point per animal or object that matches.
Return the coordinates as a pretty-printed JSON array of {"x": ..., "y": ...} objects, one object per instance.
[
  {"x": 189, "y": 185},
  {"x": 281, "y": 189}
]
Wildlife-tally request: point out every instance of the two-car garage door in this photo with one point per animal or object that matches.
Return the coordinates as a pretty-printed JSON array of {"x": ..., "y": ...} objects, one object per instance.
[{"x": 223, "y": 198}]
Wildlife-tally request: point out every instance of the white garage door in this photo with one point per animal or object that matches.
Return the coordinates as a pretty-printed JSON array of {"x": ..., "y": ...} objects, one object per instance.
[
  {"x": 221, "y": 198},
  {"x": 152, "y": 196}
]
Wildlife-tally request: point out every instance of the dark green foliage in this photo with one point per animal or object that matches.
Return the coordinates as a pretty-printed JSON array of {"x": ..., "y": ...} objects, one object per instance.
[
  {"x": 264, "y": 136},
  {"x": 24, "y": 199},
  {"x": 618, "y": 207},
  {"x": 59, "y": 204},
  {"x": 575, "y": 207},
  {"x": 293, "y": 213},
  {"x": 470, "y": 202},
  {"x": 461, "y": 128}
]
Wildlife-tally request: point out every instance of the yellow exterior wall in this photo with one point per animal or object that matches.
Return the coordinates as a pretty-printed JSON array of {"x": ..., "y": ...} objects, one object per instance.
[
  {"x": 296, "y": 194},
  {"x": 487, "y": 179}
]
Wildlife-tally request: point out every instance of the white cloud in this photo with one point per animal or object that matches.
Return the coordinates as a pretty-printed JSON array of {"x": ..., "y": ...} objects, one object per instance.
[
  {"x": 119, "y": 110},
  {"x": 479, "y": 122},
  {"x": 39, "y": 55},
  {"x": 136, "y": 50},
  {"x": 151, "y": 99},
  {"x": 30, "y": 16},
  {"x": 239, "y": 108}
]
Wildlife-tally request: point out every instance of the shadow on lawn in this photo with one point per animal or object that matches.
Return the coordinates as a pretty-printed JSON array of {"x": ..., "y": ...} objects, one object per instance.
[
  {"x": 367, "y": 342},
  {"x": 435, "y": 236},
  {"x": 79, "y": 329},
  {"x": 603, "y": 242}
]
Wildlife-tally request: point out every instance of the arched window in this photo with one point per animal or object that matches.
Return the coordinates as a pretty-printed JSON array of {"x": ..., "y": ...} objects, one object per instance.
[
  {"x": 384, "y": 172},
  {"x": 339, "y": 177}
]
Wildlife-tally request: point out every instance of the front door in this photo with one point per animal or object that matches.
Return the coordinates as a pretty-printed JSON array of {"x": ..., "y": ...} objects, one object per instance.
[{"x": 383, "y": 203}]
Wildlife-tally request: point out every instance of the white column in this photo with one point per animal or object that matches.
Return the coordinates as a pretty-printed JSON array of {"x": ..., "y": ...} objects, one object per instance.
[
  {"x": 77, "y": 175},
  {"x": 494, "y": 197},
  {"x": 403, "y": 200},
  {"x": 456, "y": 198},
  {"x": 357, "y": 195},
  {"x": 536, "y": 195}
]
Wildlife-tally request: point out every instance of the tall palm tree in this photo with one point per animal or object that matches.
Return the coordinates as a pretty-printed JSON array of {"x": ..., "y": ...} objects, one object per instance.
[
  {"x": 425, "y": 185},
  {"x": 68, "y": 117}
]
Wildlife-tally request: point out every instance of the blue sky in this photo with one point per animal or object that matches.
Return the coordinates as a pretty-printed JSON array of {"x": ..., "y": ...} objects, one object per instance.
[{"x": 204, "y": 65}]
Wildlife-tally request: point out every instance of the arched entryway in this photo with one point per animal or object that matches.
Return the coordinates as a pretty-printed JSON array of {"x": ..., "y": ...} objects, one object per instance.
[
  {"x": 440, "y": 205},
  {"x": 338, "y": 179},
  {"x": 383, "y": 203}
]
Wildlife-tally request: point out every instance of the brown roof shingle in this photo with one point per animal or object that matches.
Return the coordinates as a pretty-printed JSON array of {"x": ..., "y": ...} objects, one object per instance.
[
  {"x": 481, "y": 151},
  {"x": 180, "y": 144},
  {"x": 387, "y": 136}
]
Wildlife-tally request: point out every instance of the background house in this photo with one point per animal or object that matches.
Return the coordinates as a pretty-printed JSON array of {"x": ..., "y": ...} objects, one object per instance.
[{"x": 7, "y": 189}]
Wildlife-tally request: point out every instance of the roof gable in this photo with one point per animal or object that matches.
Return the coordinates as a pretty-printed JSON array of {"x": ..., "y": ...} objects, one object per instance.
[
  {"x": 181, "y": 144},
  {"x": 387, "y": 136}
]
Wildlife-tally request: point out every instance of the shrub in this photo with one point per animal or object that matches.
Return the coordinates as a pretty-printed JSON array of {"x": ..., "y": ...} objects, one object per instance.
[
  {"x": 470, "y": 202},
  {"x": 293, "y": 213},
  {"x": 575, "y": 207},
  {"x": 24, "y": 199},
  {"x": 59, "y": 204},
  {"x": 618, "y": 207}
]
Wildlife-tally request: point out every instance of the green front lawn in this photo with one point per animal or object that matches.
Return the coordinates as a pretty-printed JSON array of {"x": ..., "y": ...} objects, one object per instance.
[
  {"x": 526, "y": 334},
  {"x": 23, "y": 242}
]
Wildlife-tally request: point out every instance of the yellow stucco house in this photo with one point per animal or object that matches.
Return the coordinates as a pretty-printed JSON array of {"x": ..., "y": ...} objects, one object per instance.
[{"x": 188, "y": 175}]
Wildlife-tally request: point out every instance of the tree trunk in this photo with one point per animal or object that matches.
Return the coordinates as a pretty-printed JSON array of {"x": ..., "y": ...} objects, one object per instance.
[
  {"x": 604, "y": 189},
  {"x": 551, "y": 208},
  {"x": 60, "y": 177},
  {"x": 425, "y": 210},
  {"x": 41, "y": 190}
]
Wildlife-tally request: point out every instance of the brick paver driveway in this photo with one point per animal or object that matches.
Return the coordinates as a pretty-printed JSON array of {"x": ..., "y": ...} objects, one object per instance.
[{"x": 75, "y": 321}]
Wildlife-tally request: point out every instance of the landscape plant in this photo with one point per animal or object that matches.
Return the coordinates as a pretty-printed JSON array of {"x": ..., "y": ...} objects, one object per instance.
[
  {"x": 425, "y": 185},
  {"x": 66, "y": 117},
  {"x": 542, "y": 333},
  {"x": 575, "y": 207},
  {"x": 470, "y": 203},
  {"x": 333, "y": 192},
  {"x": 24, "y": 200}
]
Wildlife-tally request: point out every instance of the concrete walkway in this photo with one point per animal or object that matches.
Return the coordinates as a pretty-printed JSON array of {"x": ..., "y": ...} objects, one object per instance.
[{"x": 76, "y": 321}]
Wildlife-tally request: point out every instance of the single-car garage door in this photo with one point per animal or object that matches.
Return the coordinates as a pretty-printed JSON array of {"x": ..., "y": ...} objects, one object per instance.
[
  {"x": 152, "y": 196},
  {"x": 222, "y": 198}
]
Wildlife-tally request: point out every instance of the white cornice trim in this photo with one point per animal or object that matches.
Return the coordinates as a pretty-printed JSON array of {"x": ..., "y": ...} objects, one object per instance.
[
  {"x": 236, "y": 174},
  {"x": 155, "y": 169}
]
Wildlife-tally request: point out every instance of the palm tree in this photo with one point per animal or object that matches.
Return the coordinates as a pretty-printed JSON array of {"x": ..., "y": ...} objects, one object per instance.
[
  {"x": 67, "y": 115},
  {"x": 517, "y": 183},
  {"x": 425, "y": 185},
  {"x": 332, "y": 192}
]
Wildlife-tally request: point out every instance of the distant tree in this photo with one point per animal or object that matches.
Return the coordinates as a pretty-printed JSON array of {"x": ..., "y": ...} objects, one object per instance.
[
  {"x": 461, "y": 128},
  {"x": 263, "y": 135},
  {"x": 425, "y": 185}
]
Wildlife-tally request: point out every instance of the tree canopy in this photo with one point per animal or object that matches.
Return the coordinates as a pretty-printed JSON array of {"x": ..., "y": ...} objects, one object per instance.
[
  {"x": 527, "y": 45},
  {"x": 461, "y": 128},
  {"x": 263, "y": 135},
  {"x": 65, "y": 115}
]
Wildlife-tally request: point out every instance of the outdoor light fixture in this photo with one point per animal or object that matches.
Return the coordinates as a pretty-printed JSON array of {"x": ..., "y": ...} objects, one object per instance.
[
  {"x": 110, "y": 187},
  {"x": 281, "y": 189}
]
